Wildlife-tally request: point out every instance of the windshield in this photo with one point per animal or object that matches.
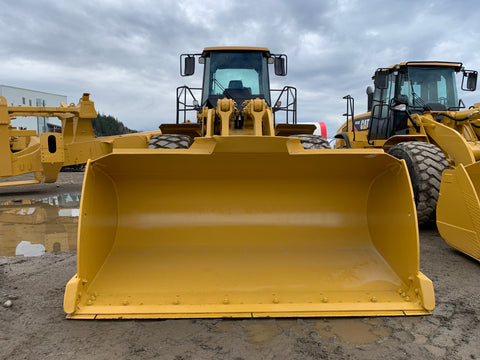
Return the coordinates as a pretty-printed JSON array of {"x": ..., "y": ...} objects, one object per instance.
[
  {"x": 238, "y": 75},
  {"x": 432, "y": 87}
]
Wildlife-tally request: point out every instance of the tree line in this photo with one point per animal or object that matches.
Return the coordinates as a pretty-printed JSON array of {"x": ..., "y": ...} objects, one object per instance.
[{"x": 106, "y": 125}]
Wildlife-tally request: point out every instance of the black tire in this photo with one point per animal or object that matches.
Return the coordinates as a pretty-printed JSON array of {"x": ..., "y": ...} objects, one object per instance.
[
  {"x": 73, "y": 168},
  {"x": 170, "y": 141},
  {"x": 313, "y": 141},
  {"x": 425, "y": 163}
]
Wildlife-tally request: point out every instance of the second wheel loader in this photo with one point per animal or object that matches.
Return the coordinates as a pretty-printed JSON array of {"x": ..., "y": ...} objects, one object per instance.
[
  {"x": 414, "y": 114},
  {"x": 236, "y": 214}
]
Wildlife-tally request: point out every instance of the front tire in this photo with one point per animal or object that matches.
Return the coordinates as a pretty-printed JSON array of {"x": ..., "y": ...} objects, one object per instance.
[
  {"x": 170, "y": 141},
  {"x": 425, "y": 163},
  {"x": 312, "y": 141}
]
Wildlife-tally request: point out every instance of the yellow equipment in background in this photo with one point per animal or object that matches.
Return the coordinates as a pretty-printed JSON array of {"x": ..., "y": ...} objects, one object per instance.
[
  {"x": 458, "y": 211},
  {"x": 415, "y": 115},
  {"x": 25, "y": 151},
  {"x": 237, "y": 220}
]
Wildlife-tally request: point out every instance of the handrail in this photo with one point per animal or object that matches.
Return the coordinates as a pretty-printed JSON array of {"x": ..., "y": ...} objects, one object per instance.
[
  {"x": 290, "y": 93},
  {"x": 182, "y": 93}
]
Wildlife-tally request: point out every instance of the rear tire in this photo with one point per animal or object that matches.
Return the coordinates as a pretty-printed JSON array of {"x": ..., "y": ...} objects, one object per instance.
[
  {"x": 73, "y": 168},
  {"x": 313, "y": 141},
  {"x": 425, "y": 163},
  {"x": 170, "y": 141}
]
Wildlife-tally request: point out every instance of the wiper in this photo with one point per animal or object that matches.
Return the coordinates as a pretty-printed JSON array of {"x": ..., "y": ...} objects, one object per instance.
[
  {"x": 421, "y": 102},
  {"x": 225, "y": 91},
  {"x": 417, "y": 98}
]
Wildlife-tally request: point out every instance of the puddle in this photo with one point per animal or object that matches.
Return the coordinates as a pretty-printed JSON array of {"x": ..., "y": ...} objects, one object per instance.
[
  {"x": 31, "y": 228},
  {"x": 261, "y": 331},
  {"x": 353, "y": 331}
]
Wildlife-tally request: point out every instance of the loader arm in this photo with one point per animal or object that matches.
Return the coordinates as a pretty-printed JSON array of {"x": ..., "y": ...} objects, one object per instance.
[
  {"x": 455, "y": 147},
  {"x": 458, "y": 206}
]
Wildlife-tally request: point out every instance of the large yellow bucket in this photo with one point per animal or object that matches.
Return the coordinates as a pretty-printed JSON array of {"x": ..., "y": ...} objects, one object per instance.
[
  {"x": 247, "y": 227},
  {"x": 458, "y": 209}
]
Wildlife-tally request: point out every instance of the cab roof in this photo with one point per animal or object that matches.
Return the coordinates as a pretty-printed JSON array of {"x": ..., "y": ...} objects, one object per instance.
[
  {"x": 457, "y": 65},
  {"x": 206, "y": 50},
  {"x": 235, "y": 48},
  {"x": 430, "y": 63}
]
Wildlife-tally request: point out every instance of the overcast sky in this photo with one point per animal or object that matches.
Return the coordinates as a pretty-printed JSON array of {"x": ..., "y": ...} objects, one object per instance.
[{"x": 126, "y": 53}]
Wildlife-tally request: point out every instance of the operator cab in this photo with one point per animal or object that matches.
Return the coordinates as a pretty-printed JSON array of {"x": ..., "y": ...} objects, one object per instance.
[
  {"x": 414, "y": 87},
  {"x": 236, "y": 74},
  {"x": 240, "y": 74}
]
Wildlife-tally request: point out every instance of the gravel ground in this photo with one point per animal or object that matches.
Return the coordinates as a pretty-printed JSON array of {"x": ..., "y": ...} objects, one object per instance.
[{"x": 33, "y": 326}]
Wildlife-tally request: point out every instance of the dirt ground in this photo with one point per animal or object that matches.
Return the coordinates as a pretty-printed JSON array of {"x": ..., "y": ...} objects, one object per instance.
[{"x": 34, "y": 325}]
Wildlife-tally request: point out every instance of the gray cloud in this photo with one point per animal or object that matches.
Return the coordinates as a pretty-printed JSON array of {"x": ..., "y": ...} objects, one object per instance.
[{"x": 126, "y": 54}]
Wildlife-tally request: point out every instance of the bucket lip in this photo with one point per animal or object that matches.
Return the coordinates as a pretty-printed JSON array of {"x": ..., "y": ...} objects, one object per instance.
[{"x": 400, "y": 308}]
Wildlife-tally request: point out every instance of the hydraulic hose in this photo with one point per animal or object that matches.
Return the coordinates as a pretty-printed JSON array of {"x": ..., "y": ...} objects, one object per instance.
[{"x": 456, "y": 119}]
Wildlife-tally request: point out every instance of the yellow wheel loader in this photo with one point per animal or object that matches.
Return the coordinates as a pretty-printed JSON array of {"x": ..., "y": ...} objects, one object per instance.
[
  {"x": 414, "y": 114},
  {"x": 236, "y": 214},
  {"x": 24, "y": 151}
]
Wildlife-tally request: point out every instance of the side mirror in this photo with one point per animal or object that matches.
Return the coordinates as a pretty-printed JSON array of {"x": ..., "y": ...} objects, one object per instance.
[
  {"x": 188, "y": 68},
  {"x": 280, "y": 64},
  {"x": 380, "y": 79},
  {"x": 471, "y": 77},
  {"x": 369, "y": 98}
]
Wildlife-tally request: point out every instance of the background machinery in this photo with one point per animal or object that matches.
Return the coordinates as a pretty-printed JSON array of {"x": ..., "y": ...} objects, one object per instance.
[
  {"x": 44, "y": 155},
  {"x": 235, "y": 214},
  {"x": 415, "y": 114}
]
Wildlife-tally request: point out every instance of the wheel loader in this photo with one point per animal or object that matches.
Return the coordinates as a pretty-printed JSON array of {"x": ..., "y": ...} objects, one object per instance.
[
  {"x": 414, "y": 114},
  {"x": 238, "y": 214}
]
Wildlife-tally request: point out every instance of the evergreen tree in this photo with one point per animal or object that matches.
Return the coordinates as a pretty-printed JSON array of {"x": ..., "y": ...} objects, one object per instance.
[{"x": 106, "y": 125}]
